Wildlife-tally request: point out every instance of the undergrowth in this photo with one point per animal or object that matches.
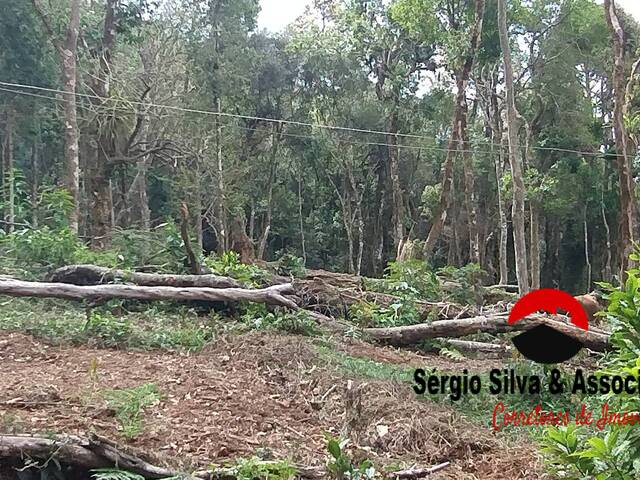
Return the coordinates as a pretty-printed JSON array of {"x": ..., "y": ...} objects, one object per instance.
[
  {"x": 154, "y": 328},
  {"x": 129, "y": 404}
]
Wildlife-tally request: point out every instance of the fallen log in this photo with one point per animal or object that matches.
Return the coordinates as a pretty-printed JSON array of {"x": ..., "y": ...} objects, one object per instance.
[
  {"x": 418, "y": 472},
  {"x": 412, "y": 334},
  {"x": 87, "y": 275},
  {"x": 479, "y": 347},
  {"x": 81, "y": 452},
  {"x": 272, "y": 295}
]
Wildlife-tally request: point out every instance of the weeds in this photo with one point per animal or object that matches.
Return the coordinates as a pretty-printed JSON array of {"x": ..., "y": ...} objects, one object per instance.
[
  {"x": 258, "y": 317},
  {"x": 128, "y": 405},
  {"x": 342, "y": 467},
  {"x": 152, "y": 329}
]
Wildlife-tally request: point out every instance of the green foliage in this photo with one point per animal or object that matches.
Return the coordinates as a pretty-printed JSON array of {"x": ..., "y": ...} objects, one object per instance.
[
  {"x": 155, "y": 328},
  {"x": 114, "y": 474},
  {"x": 614, "y": 453},
  {"x": 128, "y": 405},
  {"x": 229, "y": 265},
  {"x": 452, "y": 354},
  {"x": 258, "y": 317},
  {"x": 607, "y": 458},
  {"x": 290, "y": 265},
  {"x": 109, "y": 330},
  {"x": 342, "y": 467},
  {"x": 255, "y": 468},
  {"x": 466, "y": 283}
]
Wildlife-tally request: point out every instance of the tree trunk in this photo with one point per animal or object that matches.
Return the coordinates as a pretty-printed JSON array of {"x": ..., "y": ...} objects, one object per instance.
[
  {"x": 67, "y": 56},
  {"x": 607, "y": 266},
  {"x": 413, "y": 334},
  {"x": 586, "y": 250},
  {"x": 470, "y": 196},
  {"x": 273, "y": 166},
  {"x": 518, "y": 212},
  {"x": 104, "y": 147},
  {"x": 71, "y": 131},
  {"x": 8, "y": 171},
  {"x": 303, "y": 247},
  {"x": 458, "y": 124},
  {"x": 622, "y": 141},
  {"x": 272, "y": 295},
  {"x": 535, "y": 245},
  {"x": 221, "y": 215},
  {"x": 35, "y": 184},
  {"x": 95, "y": 275},
  {"x": 394, "y": 174}
]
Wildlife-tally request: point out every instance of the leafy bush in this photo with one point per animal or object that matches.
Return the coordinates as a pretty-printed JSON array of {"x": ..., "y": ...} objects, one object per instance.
[
  {"x": 409, "y": 278},
  {"x": 229, "y": 265},
  {"x": 342, "y": 467},
  {"x": 402, "y": 312},
  {"x": 128, "y": 404},
  {"x": 298, "y": 323},
  {"x": 290, "y": 265},
  {"x": 464, "y": 285},
  {"x": 615, "y": 453}
]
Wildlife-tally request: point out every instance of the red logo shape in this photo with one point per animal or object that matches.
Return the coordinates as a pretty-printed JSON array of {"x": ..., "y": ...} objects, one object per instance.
[{"x": 552, "y": 301}]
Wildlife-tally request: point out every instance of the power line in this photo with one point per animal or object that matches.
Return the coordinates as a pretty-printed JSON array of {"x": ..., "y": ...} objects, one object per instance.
[{"x": 295, "y": 122}]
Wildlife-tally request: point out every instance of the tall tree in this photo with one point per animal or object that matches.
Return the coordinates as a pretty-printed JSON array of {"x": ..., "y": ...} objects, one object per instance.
[
  {"x": 623, "y": 143},
  {"x": 517, "y": 211},
  {"x": 67, "y": 53}
]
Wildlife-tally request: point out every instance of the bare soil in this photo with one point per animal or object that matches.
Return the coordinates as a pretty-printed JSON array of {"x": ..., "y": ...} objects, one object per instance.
[{"x": 256, "y": 393}]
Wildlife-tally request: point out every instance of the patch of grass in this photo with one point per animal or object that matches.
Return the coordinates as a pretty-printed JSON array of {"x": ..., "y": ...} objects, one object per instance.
[
  {"x": 64, "y": 322},
  {"x": 365, "y": 367},
  {"x": 255, "y": 468},
  {"x": 128, "y": 404}
]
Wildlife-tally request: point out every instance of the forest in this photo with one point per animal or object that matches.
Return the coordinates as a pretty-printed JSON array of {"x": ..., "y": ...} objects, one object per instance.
[{"x": 227, "y": 252}]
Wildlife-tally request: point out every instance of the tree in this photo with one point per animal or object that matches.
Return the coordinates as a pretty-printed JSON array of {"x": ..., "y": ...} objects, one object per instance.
[
  {"x": 518, "y": 214},
  {"x": 623, "y": 144},
  {"x": 67, "y": 52}
]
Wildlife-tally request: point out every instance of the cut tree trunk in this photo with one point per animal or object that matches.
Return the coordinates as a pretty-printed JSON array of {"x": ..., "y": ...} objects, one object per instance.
[
  {"x": 271, "y": 295},
  {"x": 94, "y": 275},
  {"x": 479, "y": 347},
  {"x": 412, "y": 334}
]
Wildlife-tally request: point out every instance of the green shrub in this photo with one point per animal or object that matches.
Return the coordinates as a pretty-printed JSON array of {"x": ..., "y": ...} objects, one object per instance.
[
  {"x": 464, "y": 284},
  {"x": 342, "y": 467},
  {"x": 128, "y": 405},
  {"x": 615, "y": 452},
  {"x": 229, "y": 265},
  {"x": 290, "y": 265},
  {"x": 258, "y": 317}
]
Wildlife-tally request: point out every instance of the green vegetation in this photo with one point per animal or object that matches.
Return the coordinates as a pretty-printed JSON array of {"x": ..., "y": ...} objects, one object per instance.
[
  {"x": 342, "y": 467},
  {"x": 611, "y": 453},
  {"x": 129, "y": 404},
  {"x": 153, "y": 328}
]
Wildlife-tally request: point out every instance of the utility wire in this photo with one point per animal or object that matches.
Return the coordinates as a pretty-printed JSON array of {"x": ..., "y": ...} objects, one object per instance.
[{"x": 293, "y": 122}]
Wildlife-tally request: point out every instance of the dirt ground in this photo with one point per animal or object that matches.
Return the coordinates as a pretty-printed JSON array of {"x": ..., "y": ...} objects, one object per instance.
[{"x": 259, "y": 392}]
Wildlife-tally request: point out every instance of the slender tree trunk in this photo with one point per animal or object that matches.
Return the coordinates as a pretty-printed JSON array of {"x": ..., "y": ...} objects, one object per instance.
[
  {"x": 504, "y": 225},
  {"x": 71, "y": 131},
  {"x": 518, "y": 212},
  {"x": 534, "y": 228},
  {"x": 607, "y": 266},
  {"x": 273, "y": 166},
  {"x": 8, "y": 171},
  {"x": 303, "y": 246},
  {"x": 457, "y": 135},
  {"x": 35, "y": 184},
  {"x": 470, "y": 196},
  {"x": 67, "y": 52},
  {"x": 394, "y": 174},
  {"x": 104, "y": 148},
  {"x": 586, "y": 249},
  {"x": 622, "y": 141},
  {"x": 221, "y": 216}
]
